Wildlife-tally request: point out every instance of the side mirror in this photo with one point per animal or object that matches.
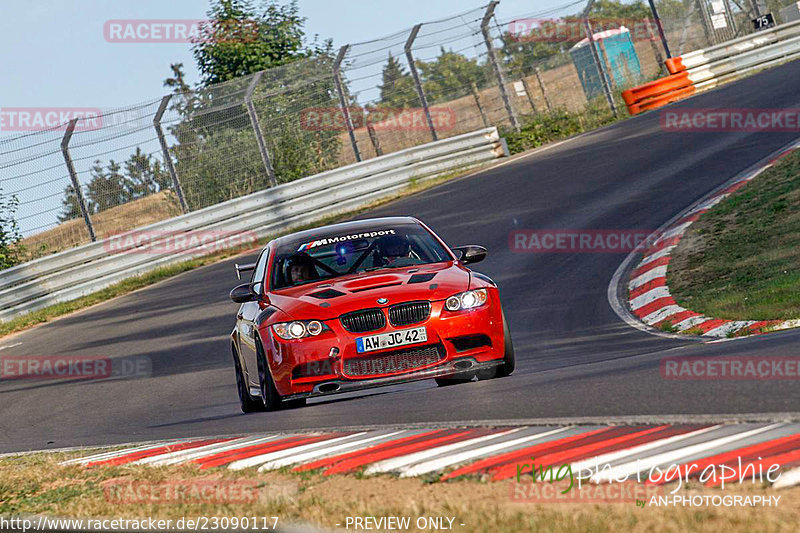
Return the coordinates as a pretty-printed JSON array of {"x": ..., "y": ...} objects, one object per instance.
[
  {"x": 246, "y": 292},
  {"x": 471, "y": 253}
]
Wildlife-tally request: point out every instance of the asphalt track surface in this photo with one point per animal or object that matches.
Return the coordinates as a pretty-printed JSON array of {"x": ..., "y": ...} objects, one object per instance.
[{"x": 575, "y": 357}]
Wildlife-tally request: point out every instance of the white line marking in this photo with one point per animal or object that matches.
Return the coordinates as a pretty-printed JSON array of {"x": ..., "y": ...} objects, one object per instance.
[
  {"x": 653, "y": 273},
  {"x": 119, "y": 453},
  {"x": 788, "y": 479},
  {"x": 657, "y": 255},
  {"x": 610, "y": 457},
  {"x": 260, "y": 459},
  {"x": 319, "y": 453},
  {"x": 626, "y": 470},
  {"x": 9, "y": 346},
  {"x": 433, "y": 465},
  {"x": 730, "y": 327},
  {"x": 184, "y": 456},
  {"x": 690, "y": 322},
  {"x": 396, "y": 463},
  {"x": 650, "y": 296},
  {"x": 661, "y": 314}
]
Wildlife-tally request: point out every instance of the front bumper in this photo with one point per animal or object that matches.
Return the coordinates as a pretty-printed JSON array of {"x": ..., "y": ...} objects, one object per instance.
[
  {"x": 462, "y": 364},
  {"x": 447, "y": 332}
]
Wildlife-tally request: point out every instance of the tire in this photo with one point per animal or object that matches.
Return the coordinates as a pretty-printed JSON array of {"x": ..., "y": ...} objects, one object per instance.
[
  {"x": 247, "y": 403},
  {"x": 269, "y": 394},
  {"x": 509, "y": 363}
]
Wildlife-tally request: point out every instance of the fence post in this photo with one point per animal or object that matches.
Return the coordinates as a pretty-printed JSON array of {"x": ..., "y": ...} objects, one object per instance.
[
  {"x": 373, "y": 137},
  {"x": 487, "y": 38},
  {"x": 660, "y": 28},
  {"x": 74, "y": 177},
  {"x": 542, "y": 87},
  {"x": 337, "y": 80},
  {"x": 165, "y": 150},
  {"x": 262, "y": 146},
  {"x": 598, "y": 61},
  {"x": 528, "y": 93},
  {"x": 417, "y": 83},
  {"x": 478, "y": 103}
]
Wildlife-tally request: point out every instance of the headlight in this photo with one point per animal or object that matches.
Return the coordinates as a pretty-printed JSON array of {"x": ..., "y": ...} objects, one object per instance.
[
  {"x": 298, "y": 329},
  {"x": 466, "y": 300}
]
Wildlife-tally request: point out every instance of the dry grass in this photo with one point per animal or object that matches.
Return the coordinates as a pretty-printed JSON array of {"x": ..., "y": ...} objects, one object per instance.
[
  {"x": 38, "y": 484},
  {"x": 147, "y": 210}
]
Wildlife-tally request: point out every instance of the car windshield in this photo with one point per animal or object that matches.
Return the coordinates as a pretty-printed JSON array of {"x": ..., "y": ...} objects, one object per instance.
[{"x": 332, "y": 255}]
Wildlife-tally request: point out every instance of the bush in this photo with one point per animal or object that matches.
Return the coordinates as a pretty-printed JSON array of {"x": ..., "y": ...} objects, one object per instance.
[
  {"x": 10, "y": 249},
  {"x": 542, "y": 128}
]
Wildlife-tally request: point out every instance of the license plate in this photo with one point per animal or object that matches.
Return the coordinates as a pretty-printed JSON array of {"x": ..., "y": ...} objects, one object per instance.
[{"x": 392, "y": 339}]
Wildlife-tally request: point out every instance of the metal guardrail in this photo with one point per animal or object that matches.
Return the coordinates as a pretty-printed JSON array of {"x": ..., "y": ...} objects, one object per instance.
[
  {"x": 74, "y": 273},
  {"x": 709, "y": 67}
]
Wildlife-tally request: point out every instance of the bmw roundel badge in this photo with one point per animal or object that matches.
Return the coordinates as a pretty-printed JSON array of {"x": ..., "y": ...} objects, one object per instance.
[{"x": 383, "y": 301}]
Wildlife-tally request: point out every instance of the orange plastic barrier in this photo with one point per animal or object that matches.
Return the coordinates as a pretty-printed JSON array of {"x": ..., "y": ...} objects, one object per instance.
[
  {"x": 656, "y": 88},
  {"x": 660, "y": 101},
  {"x": 675, "y": 65}
]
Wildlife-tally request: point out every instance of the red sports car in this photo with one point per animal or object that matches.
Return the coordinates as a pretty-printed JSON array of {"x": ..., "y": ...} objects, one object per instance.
[{"x": 364, "y": 304}]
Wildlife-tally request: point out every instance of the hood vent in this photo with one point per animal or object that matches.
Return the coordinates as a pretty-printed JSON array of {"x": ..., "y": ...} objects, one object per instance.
[
  {"x": 362, "y": 289},
  {"x": 421, "y": 278},
  {"x": 327, "y": 294}
]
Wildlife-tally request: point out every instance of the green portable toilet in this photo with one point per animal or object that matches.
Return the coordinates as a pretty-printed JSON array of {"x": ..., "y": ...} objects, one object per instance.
[{"x": 616, "y": 49}]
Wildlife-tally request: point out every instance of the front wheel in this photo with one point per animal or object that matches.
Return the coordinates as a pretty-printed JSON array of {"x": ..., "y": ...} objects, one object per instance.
[
  {"x": 509, "y": 361},
  {"x": 269, "y": 394},
  {"x": 247, "y": 403}
]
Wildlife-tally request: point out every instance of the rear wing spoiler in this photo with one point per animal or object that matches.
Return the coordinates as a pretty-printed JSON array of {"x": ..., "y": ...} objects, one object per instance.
[{"x": 244, "y": 268}]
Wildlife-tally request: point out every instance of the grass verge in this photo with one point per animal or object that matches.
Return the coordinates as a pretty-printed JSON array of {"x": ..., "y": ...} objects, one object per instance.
[
  {"x": 741, "y": 259},
  {"x": 46, "y": 314},
  {"x": 37, "y": 484}
]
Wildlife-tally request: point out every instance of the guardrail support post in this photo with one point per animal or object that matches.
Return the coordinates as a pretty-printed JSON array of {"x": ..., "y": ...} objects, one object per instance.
[
  {"x": 251, "y": 111},
  {"x": 165, "y": 150},
  {"x": 417, "y": 83},
  {"x": 487, "y": 38},
  {"x": 76, "y": 186},
  {"x": 337, "y": 80}
]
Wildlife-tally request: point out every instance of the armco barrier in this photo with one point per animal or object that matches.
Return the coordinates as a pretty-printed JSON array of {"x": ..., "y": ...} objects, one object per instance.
[
  {"x": 80, "y": 271},
  {"x": 705, "y": 69},
  {"x": 734, "y": 47}
]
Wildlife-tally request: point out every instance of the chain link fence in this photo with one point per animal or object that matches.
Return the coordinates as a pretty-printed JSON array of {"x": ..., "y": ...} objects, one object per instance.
[{"x": 108, "y": 171}]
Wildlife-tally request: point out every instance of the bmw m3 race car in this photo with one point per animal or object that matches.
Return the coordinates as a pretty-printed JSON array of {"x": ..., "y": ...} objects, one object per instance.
[{"x": 364, "y": 304}]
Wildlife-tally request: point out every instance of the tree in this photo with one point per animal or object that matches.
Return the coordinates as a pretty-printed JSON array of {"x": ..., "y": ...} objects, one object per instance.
[
  {"x": 10, "y": 249},
  {"x": 242, "y": 38},
  {"x": 69, "y": 205},
  {"x": 216, "y": 156},
  {"x": 397, "y": 87},
  {"x": 106, "y": 189},
  {"x": 449, "y": 76}
]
